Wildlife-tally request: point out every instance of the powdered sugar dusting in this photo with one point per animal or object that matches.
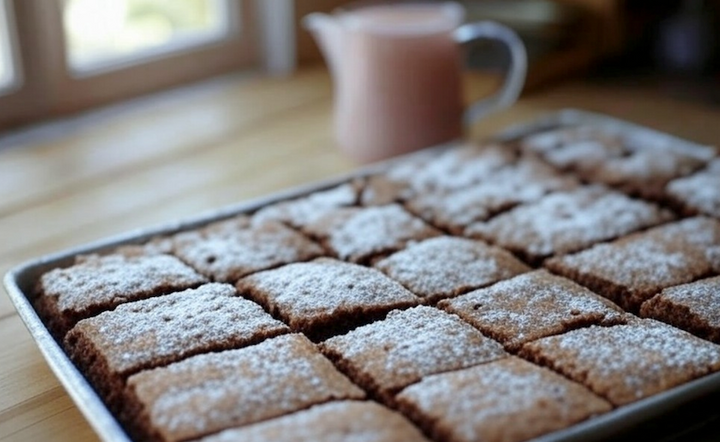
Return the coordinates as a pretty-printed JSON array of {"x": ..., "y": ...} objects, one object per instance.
[
  {"x": 325, "y": 287},
  {"x": 569, "y": 221},
  {"x": 460, "y": 168},
  {"x": 701, "y": 298},
  {"x": 524, "y": 181},
  {"x": 302, "y": 211},
  {"x": 160, "y": 330},
  {"x": 356, "y": 234},
  {"x": 227, "y": 251},
  {"x": 216, "y": 391},
  {"x": 409, "y": 345},
  {"x": 531, "y": 306},
  {"x": 346, "y": 421},
  {"x": 631, "y": 145},
  {"x": 639, "y": 359},
  {"x": 444, "y": 266},
  {"x": 616, "y": 158},
  {"x": 645, "y": 263},
  {"x": 105, "y": 281},
  {"x": 699, "y": 191},
  {"x": 488, "y": 401}
]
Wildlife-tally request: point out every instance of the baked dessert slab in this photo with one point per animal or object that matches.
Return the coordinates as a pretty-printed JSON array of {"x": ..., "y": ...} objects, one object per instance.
[
  {"x": 446, "y": 266},
  {"x": 566, "y": 222},
  {"x": 638, "y": 359},
  {"x": 430, "y": 171},
  {"x": 694, "y": 307},
  {"x": 634, "y": 268},
  {"x": 385, "y": 356},
  {"x": 339, "y": 421},
  {"x": 216, "y": 391},
  {"x": 154, "y": 332},
  {"x": 635, "y": 163},
  {"x": 531, "y": 306},
  {"x": 299, "y": 212},
  {"x": 98, "y": 283},
  {"x": 325, "y": 297},
  {"x": 698, "y": 193},
  {"x": 359, "y": 234},
  {"x": 453, "y": 210},
  {"x": 507, "y": 400},
  {"x": 228, "y": 250}
]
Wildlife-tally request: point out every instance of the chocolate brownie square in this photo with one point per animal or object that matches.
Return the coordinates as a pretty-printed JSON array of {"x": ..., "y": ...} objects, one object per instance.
[
  {"x": 157, "y": 331},
  {"x": 216, "y": 391},
  {"x": 634, "y": 268},
  {"x": 386, "y": 356},
  {"x": 694, "y": 307},
  {"x": 626, "y": 363},
  {"x": 228, "y": 250},
  {"x": 97, "y": 283},
  {"x": 531, "y": 306},
  {"x": 340, "y": 421},
  {"x": 359, "y": 234},
  {"x": 698, "y": 193},
  {"x": 566, "y": 222},
  {"x": 453, "y": 210},
  {"x": 325, "y": 296},
  {"x": 301, "y": 211},
  {"x": 454, "y": 168},
  {"x": 634, "y": 162},
  {"x": 507, "y": 400},
  {"x": 447, "y": 266}
]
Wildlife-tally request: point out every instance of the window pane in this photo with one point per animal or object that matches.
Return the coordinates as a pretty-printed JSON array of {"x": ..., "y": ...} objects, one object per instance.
[
  {"x": 106, "y": 33},
  {"x": 7, "y": 67}
]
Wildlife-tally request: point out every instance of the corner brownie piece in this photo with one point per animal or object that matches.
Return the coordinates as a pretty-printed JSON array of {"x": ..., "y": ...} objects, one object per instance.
[
  {"x": 341, "y": 421},
  {"x": 566, "y": 222},
  {"x": 97, "y": 283},
  {"x": 698, "y": 193},
  {"x": 325, "y": 296},
  {"x": 636, "y": 162},
  {"x": 302, "y": 211},
  {"x": 358, "y": 234},
  {"x": 455, "y": 209},
  {"x": 632, "y": 269},
  {"x": 531, "y": 306},
  {"x": 694, "y": 307},
  {"x": 626, "y": 363},
  {"x": 447, "y": 266},
  {"x": 509, "y": 400},
  {"x": 154, "y": 332},
  {"x": 386, "y": 356},
  {"x": 228, "y": 250},
  {"x": 216, "y": 391}
]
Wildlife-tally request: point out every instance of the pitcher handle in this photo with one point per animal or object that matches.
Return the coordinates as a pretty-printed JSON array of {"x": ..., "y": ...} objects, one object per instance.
[{"x": 514, "y": 79}]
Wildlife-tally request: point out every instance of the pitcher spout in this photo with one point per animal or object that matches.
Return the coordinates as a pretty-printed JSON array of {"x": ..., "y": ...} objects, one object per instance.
[{"x": 328, "y": 34}]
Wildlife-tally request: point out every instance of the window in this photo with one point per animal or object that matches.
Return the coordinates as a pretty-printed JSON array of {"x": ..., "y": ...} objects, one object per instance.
[
  {"x": 102, "y": 34},
  {"x": 71, "y": 55}
]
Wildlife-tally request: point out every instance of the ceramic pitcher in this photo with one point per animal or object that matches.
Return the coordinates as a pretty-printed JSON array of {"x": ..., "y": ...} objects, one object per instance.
[{"x": 397, "y": 74}]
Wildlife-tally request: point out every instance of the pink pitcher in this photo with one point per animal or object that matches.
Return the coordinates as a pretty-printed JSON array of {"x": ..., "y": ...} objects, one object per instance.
[{"x": 396, "y": 71}]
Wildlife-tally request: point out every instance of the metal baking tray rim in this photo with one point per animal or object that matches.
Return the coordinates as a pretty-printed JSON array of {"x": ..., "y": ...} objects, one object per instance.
[{"x": 19, "y": 280}]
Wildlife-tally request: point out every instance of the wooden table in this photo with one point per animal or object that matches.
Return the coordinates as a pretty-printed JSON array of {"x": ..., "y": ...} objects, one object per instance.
[{"x": 162, "y": 158}]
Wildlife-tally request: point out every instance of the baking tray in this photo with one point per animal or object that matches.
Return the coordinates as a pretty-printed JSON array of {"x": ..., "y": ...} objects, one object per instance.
[{"x": 682, "y": 408}]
